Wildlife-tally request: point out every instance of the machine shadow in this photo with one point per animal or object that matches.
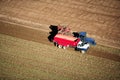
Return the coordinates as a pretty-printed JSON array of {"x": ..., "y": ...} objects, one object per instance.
[
  {"x": 75, "y": 34},
  {"x": 53, "y": 32}
]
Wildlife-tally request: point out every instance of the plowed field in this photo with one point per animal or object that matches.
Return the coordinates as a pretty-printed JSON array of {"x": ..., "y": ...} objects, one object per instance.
[
  {"x": 100, "y": 19},
  {"x": 27, "y": 54}
]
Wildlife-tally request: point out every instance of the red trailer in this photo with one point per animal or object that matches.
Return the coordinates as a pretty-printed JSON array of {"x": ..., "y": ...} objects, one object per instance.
[{"x": 65, "y": 41}]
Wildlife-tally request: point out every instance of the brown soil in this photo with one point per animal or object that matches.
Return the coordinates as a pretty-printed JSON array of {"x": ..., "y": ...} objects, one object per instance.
[
  {"x": 24, "y": 59},
  {"x": 100, "y": 19},
  {"x": 30, "y": 20},
  {"x": 42, "y": 37}
]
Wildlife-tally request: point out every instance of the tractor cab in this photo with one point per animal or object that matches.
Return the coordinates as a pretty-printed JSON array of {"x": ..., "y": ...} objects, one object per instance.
[
  {"x": 85, "y": 39},
  {"x": 85, "y": 42}
]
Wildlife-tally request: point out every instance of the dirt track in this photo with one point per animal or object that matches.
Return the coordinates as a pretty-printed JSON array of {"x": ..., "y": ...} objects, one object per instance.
[{"x": 42, "y": 37}]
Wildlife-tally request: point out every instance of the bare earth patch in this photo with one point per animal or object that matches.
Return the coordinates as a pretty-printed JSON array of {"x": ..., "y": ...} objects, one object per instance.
[{"x": 100, "y": 19}]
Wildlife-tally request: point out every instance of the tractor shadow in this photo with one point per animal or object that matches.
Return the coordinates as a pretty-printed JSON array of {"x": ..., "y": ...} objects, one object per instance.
[
  {"x": 75, "y": 34},
  {"x": 53, "y": 32}
]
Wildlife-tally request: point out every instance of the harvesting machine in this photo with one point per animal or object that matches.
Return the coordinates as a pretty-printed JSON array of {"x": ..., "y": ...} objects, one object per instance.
[{"x": 65, "y": 38}]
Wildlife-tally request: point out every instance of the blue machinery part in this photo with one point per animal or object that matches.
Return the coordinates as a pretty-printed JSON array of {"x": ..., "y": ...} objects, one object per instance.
[{"x": 82, "y": 36}]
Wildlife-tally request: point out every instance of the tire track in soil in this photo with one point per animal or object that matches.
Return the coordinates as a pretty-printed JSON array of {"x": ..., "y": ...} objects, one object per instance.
[{"x": 41, "y": 37}]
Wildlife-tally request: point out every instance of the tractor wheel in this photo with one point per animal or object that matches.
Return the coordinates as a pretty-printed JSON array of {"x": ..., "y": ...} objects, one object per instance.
[
  {"x": 55, "y": 43},
  {"x": 82, "y": 51},
  {"x": 64, "y": 47},
  {"x": 59, "y": 46}
]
